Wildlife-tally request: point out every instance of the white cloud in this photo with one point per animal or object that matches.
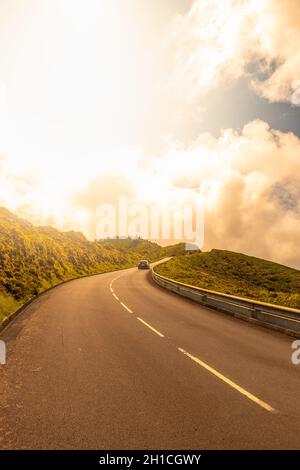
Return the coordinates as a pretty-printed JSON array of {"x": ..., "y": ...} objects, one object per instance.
[
  {"x": 70, "y": 100},
  {"x": 217, "y": 41},
  {"x": 250, "y": 180}
]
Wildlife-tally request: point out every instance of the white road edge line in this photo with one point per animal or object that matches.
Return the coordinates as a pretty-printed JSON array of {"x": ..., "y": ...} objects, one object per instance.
[
  {"x": 127, "y": 308},
  {"x": 229, "y": 382},
  {"x": 115, "y": 296},
  {"x": 151, "y": 327}
]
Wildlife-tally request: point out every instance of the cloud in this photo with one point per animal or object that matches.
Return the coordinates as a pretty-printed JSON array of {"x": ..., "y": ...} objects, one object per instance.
[
  {"x": 101, "y": 190},
  {"x": 219, "y": 42},
  {"x": 70, "y": 149},
  {"x": 250, "y": 181}
]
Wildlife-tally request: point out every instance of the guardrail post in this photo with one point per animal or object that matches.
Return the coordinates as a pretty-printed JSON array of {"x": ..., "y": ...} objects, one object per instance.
[{"x": 255, "y": 312}]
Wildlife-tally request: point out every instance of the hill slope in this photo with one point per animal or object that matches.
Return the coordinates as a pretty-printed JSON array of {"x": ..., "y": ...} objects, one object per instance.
[
  {"x": 35, "y": 258},
  {"x": 237, "y": 274}
]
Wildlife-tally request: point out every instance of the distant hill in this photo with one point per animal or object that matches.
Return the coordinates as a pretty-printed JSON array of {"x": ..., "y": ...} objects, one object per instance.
[
  {"x": 35, "y": 258},
  {"x": 237, "y": 274}
]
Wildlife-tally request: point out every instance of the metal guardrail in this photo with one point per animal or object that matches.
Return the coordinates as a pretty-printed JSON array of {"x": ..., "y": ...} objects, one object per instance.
[{"x": 277, "y": 317}]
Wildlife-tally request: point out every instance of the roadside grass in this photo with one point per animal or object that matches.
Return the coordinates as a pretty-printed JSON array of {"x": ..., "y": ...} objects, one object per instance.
[
  {"x": 7, "y": 305},
  {"x": 33, "y": 259},
  {"x": 237, "y": 274}
]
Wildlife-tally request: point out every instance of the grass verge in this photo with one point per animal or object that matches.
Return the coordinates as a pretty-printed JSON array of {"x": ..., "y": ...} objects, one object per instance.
[{"x": 237, "y": 274}]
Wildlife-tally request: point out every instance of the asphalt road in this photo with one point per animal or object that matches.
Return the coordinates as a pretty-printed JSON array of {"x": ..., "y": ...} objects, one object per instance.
[{"x": 115, "y": 362}]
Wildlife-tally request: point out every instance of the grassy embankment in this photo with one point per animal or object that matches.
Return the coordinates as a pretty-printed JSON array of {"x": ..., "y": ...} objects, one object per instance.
[
  {"x": 33, "y": 259},
  {"x": 237, "y": 274}
]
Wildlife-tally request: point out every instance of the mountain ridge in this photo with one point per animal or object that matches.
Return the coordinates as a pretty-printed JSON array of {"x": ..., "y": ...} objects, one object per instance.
[{"x": 34, "y": 258}]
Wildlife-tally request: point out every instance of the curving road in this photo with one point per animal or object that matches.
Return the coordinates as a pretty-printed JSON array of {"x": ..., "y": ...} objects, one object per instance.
[{"x": 115, "y": 362}]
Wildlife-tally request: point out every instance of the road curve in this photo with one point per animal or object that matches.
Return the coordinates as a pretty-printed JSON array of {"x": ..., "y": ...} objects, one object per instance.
[{"x": 115, "y": 362}]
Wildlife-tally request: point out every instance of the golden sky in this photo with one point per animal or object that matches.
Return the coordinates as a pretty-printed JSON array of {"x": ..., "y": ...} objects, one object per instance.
[{"x": 153, "y": 99}]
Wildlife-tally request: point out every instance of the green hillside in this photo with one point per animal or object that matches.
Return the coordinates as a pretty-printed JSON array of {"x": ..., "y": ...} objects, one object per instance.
[
  {"x": 35, "y": 258},
  {"x": 237, "y": 274}
]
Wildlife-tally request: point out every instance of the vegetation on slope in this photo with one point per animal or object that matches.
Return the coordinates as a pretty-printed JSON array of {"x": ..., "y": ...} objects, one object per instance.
[
  {"x": 237, "y": 274},
  {"x": 7, "y": 305},
  {"x": 35, "y": 258}
]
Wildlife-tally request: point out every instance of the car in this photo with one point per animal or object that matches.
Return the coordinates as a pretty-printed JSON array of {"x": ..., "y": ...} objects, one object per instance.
[{"x": 144, "y": 264}]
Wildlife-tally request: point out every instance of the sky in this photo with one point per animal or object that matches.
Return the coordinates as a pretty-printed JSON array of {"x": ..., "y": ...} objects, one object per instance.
[{"x": 161, "y": 101}]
